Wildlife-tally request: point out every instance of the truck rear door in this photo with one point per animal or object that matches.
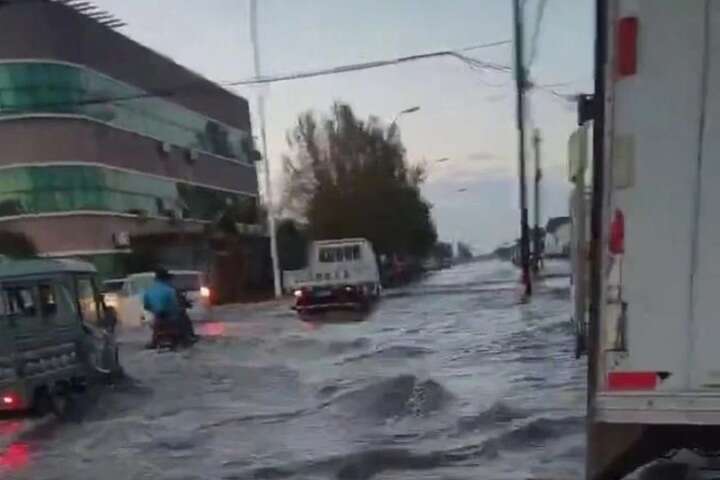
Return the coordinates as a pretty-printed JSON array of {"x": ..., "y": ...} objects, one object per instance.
[
  {"x": 704, "y": 320},
  {"x": 659, "y": 324}
]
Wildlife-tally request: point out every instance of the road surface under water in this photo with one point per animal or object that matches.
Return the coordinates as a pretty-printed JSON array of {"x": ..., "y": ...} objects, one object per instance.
[{"x": 450, "y": 378}]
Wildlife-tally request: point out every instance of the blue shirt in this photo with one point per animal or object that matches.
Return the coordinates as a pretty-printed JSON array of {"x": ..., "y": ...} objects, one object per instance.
[{"x": 160, "y": 299}]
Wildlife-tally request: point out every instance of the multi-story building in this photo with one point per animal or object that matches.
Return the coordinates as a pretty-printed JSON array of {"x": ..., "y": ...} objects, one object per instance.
[{"x": 107, "y": 145}]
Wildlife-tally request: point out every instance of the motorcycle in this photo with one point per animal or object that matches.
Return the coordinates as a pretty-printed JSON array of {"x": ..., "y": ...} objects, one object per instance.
[{"x": 172, "y": 333}]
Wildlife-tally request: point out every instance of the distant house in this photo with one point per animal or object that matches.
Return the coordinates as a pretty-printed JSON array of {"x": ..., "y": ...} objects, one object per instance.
[{"x": 557, "y": 237}]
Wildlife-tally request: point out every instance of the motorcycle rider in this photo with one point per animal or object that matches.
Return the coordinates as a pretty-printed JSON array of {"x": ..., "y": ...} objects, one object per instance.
[{"x": 161, "y": 300}]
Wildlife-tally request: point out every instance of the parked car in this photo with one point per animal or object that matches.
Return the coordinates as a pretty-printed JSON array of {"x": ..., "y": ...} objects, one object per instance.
[
  {"x": 343, "y": 274},
  {"x": 191, "y": 283},
  {"x": 56, "y": 334}
]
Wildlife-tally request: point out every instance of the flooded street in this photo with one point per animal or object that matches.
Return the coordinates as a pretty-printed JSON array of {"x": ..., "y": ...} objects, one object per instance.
[{"x": 449, "y": 378}]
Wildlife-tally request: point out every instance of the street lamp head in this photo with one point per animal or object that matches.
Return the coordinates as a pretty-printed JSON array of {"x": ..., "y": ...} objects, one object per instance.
[{"x": 401, "y": 113}]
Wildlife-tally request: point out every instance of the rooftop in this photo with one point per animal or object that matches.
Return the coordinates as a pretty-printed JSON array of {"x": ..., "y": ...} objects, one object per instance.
[
  {"x": 34, "y": 267},
  {"x": 91, "y": 10}
]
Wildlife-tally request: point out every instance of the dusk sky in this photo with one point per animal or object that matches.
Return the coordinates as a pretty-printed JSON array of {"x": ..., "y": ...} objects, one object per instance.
[{"x": 465, "y": 115}]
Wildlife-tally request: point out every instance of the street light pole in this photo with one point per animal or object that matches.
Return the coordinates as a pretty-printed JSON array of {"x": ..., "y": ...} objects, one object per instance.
[
  {"x": 521, "y": 85},
  {"x": 536, "y": 201},
  {"x": 268, "y": 191}
]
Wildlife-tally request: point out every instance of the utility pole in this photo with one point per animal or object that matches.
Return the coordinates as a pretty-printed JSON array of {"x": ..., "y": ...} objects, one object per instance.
[
  {"x": 537, "y": 248},
  {"x": 521, "y": 86},
  {"x": 268, "y": 191}
]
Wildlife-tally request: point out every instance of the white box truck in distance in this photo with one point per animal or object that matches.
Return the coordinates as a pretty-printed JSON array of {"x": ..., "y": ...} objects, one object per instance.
[{"x": 654, "y": 313}]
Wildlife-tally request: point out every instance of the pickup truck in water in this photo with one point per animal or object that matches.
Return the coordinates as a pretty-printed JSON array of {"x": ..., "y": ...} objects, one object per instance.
[
  {"x": 653, "y": 322},
  {"x": 342, "y": 274}
]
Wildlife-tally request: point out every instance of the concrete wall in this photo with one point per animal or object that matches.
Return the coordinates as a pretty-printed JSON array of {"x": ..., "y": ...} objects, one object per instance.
[
  {"x": 48, "y": 30},
  {"x": 88, "y": 232}
]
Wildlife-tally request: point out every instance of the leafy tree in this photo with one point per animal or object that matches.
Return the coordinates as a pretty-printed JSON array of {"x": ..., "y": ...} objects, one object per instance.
[
  {"x": 350, "y": 178},
  {"x": 464, "y": 251},
  {"x": 292, "y": 245},
  {"x": 443, "y": 250}
]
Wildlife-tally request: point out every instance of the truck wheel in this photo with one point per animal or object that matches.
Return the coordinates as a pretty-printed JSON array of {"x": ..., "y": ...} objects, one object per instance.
[
  {"x": 668, "y": 470},
  {"x": 61, "y": 400},
  {"x": 41, "y": 404},
  {"x": 60, "y": 404}
]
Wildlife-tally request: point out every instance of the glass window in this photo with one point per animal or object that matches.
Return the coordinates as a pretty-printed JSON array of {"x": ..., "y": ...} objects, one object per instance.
[
  {"x": 327, "y": 255},
  {"x": 87, "y": 300},
  {"x": 20, "y": 301},
  {"x": 140, "y": 284},
  {"x": 66, "y": 299},
  {"x": 113, "y": 286},
  {"x": 66, "y": 188},
  {"x": 356, "y": 252},
  {"x": 186, "y": 281},
  {"x": 56, "y": 88},
  {"x": 47, "y": 300}
]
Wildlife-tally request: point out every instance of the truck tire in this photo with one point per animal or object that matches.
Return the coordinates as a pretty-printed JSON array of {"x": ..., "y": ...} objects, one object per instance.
[
  {"x": 61, "y": 400},
  {"x": 41, "y": 404},
  {"x": 669, "y": 470}
]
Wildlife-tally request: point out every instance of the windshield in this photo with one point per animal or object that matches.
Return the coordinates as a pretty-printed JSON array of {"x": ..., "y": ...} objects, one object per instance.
[
  {"x": 187, "y": 281},
  {"x": 112, "y": 286}
]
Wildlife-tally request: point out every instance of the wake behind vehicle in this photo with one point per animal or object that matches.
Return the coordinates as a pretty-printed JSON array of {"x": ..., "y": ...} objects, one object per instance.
[
  {"x": 56, "y": 334},
  {"x": 342, "y": 274}
]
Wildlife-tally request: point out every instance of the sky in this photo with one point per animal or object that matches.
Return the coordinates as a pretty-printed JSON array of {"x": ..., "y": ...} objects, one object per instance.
[{"x": 465, "y": 115}]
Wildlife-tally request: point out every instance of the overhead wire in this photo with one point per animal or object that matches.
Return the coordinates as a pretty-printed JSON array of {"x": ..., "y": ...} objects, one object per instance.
[
  {"x": 535, "y": 42},
  {"x": 382, "y": 63},
  {"x": 257, "y": 80}
]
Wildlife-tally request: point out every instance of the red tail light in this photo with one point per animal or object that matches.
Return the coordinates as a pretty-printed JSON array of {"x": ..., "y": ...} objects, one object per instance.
[
  {"x": 627, "y": 33},
  {"x": 8, "y": 400},
  {"x": 617, "y": 233},
  {"x": 632, "y": 380}
]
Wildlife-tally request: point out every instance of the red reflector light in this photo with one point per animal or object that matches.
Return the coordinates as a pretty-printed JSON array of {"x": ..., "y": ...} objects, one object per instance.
[
  {"x": 632, "y": 380},
  {"x": 627, "y": 33},
  {"x": 617, "y": 233}
]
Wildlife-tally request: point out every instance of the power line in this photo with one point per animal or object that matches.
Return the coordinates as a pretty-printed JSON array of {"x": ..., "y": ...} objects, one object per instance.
[
  {"x": 535, "y": 45},
  {"x": 383, "y": 63},
  {"x": 473, "y": 63}
]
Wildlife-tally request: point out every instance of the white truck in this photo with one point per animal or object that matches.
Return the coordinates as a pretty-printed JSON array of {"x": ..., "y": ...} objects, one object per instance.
[
  {"x": 653, "y": 337},
  {"x": 341, "y": 274}
]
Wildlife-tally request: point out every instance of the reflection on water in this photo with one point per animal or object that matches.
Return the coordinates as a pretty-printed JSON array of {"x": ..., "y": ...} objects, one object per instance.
[
  {"x": 211, "y": 329},
  {"x": 15, "y": 457}
]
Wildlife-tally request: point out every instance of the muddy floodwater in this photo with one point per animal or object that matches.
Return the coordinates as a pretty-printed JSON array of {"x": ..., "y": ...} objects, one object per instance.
[{"x": 450, "y": 378}]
